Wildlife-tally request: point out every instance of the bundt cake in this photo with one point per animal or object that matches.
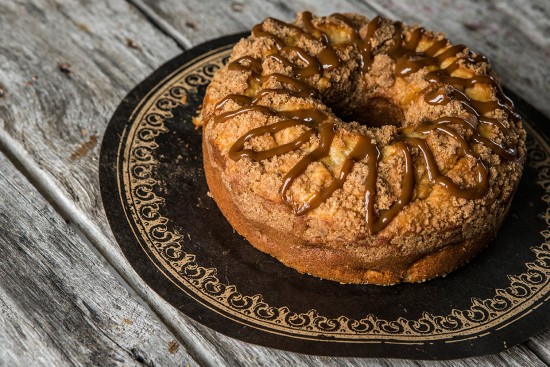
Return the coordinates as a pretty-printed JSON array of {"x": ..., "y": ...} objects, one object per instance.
[{"x": 361, "y": 151}]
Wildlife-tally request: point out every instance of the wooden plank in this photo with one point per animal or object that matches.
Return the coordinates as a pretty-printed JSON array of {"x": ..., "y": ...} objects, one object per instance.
[
  {"x": 48, "y": 122},
  {"x": 59, "y": 305},
  {"x": 540, "y": 345}
]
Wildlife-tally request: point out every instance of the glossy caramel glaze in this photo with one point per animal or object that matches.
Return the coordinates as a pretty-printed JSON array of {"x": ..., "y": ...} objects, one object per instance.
[{"x": 443, "y": 88}]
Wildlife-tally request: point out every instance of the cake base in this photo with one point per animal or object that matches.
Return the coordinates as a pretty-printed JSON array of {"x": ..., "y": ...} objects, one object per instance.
[{"x": 330, "y": 263}]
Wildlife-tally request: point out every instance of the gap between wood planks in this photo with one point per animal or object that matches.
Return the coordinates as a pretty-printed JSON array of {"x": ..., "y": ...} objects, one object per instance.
[{"x": 162, "y": 25}]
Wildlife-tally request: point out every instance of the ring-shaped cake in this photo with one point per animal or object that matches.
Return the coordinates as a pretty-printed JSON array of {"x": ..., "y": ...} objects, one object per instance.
[{"x": 361, "y": 151}]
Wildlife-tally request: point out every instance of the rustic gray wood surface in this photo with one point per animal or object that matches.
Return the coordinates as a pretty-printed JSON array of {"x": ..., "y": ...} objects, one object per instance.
[
  {"x": 64, "y": 67},
  {"x": 58, "y": 303}
]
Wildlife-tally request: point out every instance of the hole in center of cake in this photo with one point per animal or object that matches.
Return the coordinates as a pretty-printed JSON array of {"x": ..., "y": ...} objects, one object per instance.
[{"x": 376, "y": 112}]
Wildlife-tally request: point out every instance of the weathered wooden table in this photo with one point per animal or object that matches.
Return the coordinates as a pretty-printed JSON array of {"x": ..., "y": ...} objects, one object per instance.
[{"x": 67, "y": 294}]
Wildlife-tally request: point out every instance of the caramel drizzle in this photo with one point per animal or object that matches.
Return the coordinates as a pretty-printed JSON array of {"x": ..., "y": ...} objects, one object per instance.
[{"x": 407, "y": 60}]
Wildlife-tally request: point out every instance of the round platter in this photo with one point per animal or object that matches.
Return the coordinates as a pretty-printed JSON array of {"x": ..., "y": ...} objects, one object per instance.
[{"x": 173, "y": 234}]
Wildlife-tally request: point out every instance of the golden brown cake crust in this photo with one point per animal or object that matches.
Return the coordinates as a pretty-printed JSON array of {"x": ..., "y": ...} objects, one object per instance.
[{"x": 435, "y": 231}]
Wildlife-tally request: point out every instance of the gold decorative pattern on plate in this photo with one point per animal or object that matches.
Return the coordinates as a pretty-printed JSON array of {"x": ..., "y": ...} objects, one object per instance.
[{"x": 167, "y": 247}]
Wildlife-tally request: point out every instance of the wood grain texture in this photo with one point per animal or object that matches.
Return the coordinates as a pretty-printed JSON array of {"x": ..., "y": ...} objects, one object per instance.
[
  {"x": 48, "y": 118},
  {"x": 540, "y": 345},
  {"x": 59, "y": 305}
]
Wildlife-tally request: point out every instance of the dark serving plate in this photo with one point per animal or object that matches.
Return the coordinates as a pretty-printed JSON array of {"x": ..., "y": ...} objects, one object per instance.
[{"x": 175, "y": 237}]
